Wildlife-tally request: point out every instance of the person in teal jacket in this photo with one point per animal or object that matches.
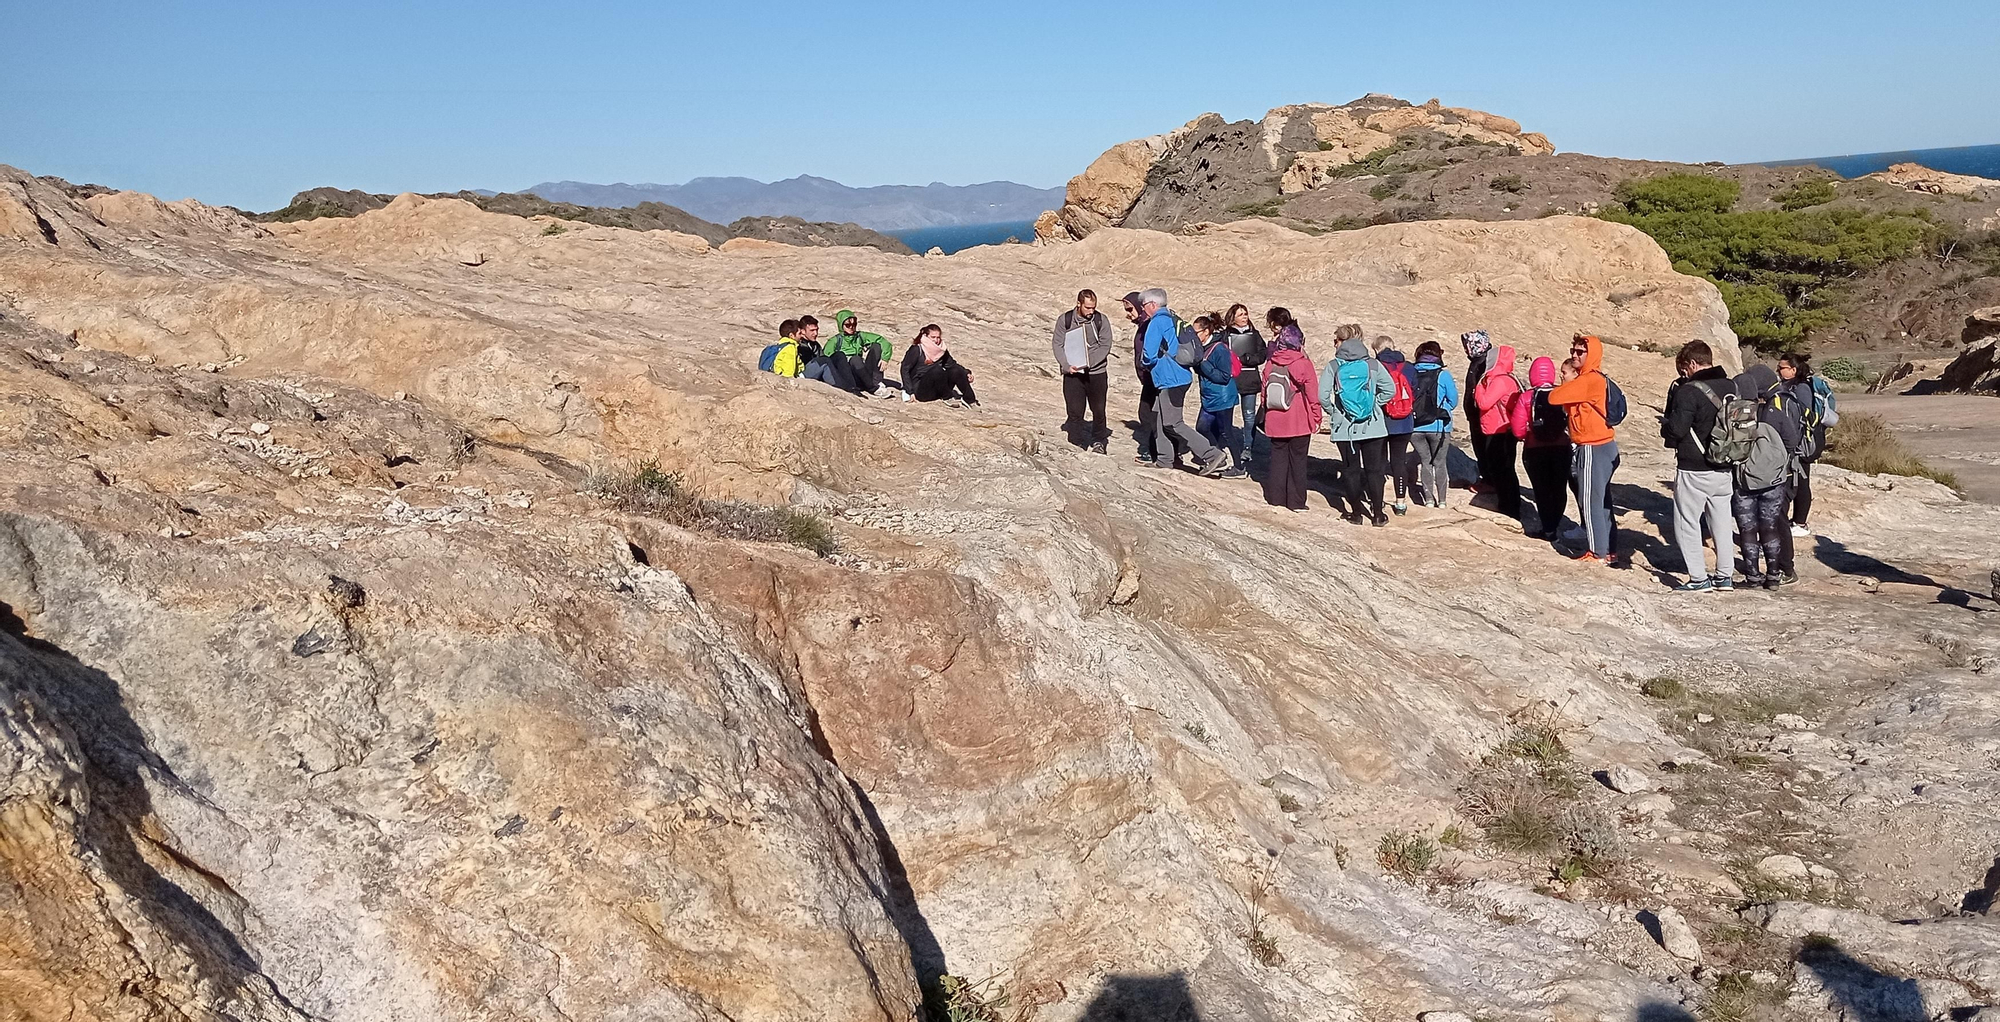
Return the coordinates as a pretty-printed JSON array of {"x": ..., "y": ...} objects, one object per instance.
[
  {"x": 1172, "y": 437},
  {"x": 855, "y": 357},
  {"x": 1436, "y": 399},
  {"x": 1363, "y": 439}
]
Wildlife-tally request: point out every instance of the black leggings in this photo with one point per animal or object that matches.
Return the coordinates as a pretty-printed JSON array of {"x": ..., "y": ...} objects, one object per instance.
[
  {"x": 1763, "y": 536},
  {"x": 1081, "y": 390},
  {"x": 1496, "y": 468},
  {"x": 1362, "y": 466},
  {"x": 1402, "y": 471},
  {"x": 1149, "y": 419},
  {"x": 1548, "y": 473},
  {"x": 1802, "y": 493}
]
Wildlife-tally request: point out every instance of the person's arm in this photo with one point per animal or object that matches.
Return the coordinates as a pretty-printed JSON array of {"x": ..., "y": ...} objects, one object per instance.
[
  {"x": 1327, "y": 385},
  {"x": 1385, "y": 385},
  {"x": 1062, "y": 322},
  {"x": 1575, "y": 392},
  {"x": 1447, "y": 391},
  {"x": 1097, "y": 353},
  {"x": 1679, "y": 422},
  {"x": 1309, "y": 387},
  {"x": 913, "y": 359}
]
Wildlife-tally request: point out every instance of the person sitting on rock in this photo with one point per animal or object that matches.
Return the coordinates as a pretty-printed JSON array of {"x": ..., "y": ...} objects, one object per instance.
[
  {"x": 813, "y": 364},
  {"x": 782, "y": 358},
  {"x": 931, "y": 374},
  {"x": 856, "y": 357}
]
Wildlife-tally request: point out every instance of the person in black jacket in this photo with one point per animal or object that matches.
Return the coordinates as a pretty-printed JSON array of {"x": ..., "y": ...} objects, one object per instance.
[
  {"x": 1796, "y": 374},
  {"x": 1694, "y": 402},
  {"x": 1249, "y": 346},
  {"x": 1149, "y": 395},
  {"x": 931, "y": 374},
  {"x": 1086, "y": 385}
]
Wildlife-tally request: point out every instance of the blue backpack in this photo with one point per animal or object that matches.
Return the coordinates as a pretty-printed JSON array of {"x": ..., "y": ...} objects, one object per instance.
[
  {"x": 1826, "y": 409},
  {"x": 768, "y": 360},
  {"x": 1614, "y": 402},
  {"x": 1357, "y": 390}
]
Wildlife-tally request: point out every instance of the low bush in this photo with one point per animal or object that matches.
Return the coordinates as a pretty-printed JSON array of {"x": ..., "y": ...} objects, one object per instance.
[
  {"x": 958, "y": 999},
  {"x": 1862, "y": 442},
  {"x": 1262, "y": 207},
  {"x": 1841, "y": 369},
  {"x": 553, "y": 229},
  {"x": 1663, "y": 687},
  {"x": 646, "y": 488},
  {"x": 1386, "y": 187},
  {"x": 1811, "y": 192},
  {"x": 1508, "y": 183},
  {"x": 1780, "y": 271},
  {"x": 1410, "y": 856},
  {"x": 1374, "y": 162}
]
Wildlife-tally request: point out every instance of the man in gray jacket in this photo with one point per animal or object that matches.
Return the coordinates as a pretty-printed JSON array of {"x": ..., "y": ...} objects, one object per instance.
[{"x": 1088, "y": 383}]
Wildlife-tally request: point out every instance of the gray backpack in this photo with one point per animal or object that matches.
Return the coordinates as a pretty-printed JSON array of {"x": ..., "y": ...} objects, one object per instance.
[
  {"x": 1768, "y": 463},
  {"x": 1731, "y": 438},
  {"x": 1278, "y": 389}
]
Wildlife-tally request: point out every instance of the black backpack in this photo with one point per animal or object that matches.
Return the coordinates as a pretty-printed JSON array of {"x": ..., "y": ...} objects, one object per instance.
[
  {"x": 1424, "y": 408},
  {"x": 1548, "y": 422}
]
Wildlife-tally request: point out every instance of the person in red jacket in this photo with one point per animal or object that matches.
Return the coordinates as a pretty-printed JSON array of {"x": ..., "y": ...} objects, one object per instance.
[
  {"x": 1290, "y": 429},
  {"x": 1584, "y": 396}
]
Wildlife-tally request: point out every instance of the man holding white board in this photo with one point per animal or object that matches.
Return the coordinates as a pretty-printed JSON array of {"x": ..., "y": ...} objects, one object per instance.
[{"x": 1082, "y": 347}]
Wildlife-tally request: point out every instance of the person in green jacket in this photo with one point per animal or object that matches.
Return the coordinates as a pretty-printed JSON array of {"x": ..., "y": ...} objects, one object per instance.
[{"x": 855, "y": 357}]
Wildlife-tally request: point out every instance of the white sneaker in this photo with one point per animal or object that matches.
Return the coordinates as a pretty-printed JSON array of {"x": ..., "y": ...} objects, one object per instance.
[{"x": 1800, "y": 532}]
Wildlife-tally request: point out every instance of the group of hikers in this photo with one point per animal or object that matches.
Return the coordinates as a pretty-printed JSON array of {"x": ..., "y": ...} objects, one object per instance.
[
  {"x": 852, "y": 360},
  {"x": 1744, "y": 447}
]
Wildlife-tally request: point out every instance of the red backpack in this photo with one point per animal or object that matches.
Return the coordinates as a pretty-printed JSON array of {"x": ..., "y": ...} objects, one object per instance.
[{"x": 1405, "y": 402}]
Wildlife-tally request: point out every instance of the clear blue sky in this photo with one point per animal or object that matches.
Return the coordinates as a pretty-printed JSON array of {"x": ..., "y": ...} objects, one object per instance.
[{"x": 245, "y": 103}]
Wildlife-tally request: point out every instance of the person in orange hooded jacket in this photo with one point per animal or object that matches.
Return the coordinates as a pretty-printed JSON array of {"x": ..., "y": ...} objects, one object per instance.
[{"x": 1584, "y": 395}]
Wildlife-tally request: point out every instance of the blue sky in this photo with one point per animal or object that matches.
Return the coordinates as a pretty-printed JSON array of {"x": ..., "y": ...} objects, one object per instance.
[{"x": 246, "y": 103}]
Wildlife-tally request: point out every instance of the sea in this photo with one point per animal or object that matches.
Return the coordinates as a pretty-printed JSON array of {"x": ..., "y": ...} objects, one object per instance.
[
  {"x": 1977, "y": 160},
  {"x": 958, "y": 237}
]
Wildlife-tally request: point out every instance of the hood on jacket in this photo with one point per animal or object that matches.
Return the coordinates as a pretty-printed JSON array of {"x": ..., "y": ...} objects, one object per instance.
[
  {"x": 1390, "y": 357},
  {"x": 1287, "y": 356},
  {"x": 1476, "y": 343},
  {"x": 1593, "y": 354},
  {"x": 1354, "y": 349},
  {"x": 840, "y": 319},
  {"x": 1542, "y": 372},
  {"x": 1503, "y": 362},
  {"x": 1756, "y": 382}
]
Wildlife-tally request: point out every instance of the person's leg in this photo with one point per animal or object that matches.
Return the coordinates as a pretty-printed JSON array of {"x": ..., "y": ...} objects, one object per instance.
[
  {"x": 1349, "y": 490},
  {"x": 1374, "y": 473},
  {"x": 1744, "y": 507},
  {"x": 1295, "y": 485},
  {"x": 1206, "y": 425},
  {"x": 931, "y": 386},
  {"x": 1073, "y": 394},
  {"x": 1614, "y": 459},
  {"x": 869, "y": 376},
  {"x": 1246, "y": 436},
  {"x": 1721, "y": 522},
  {"x": 1164, "y": 449},
  {"x": 1231, "y": 441},
  {"x": 1802, "y": 494},
  {"x": 1596, "y": 478},
  {"x": 1552, "y": 496},
  {"x": 1399, "y": 465},
  {"x": 961, "y": 378},
  {"x": 1276, "y": 468},
  {"x": 1096, "y": 388},
  {"x": 1439, "y": 487},
  {"x": 1690, "y": 499},
  {"x": 1478, "y": 444},
  {"x": 1173, "y": 422},
  {"x": 1149, "y": 421},
  {"x": 1501, "y": 449},
  {"x": 1777, "y": 528}
]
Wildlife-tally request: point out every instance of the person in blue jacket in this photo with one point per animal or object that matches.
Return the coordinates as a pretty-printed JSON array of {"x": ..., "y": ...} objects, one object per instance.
[
  {"x": 1172, "y": 437},
  {"x": 1219, "y": 396},
  {"x": 1430, "y": 416}
]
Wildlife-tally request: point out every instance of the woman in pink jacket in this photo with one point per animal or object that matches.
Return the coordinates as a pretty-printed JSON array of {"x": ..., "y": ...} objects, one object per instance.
[
  {"x": 1290, "y": 428},
  {"x": 1497, "y": 394}
]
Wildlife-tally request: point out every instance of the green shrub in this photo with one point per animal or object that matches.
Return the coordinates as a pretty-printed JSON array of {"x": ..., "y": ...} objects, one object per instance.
[
  {"x": 1842, "y": 369},
  {"x": 1663, "y": 687},
  {"x": 1862, "y": 442},
  {"x": 1508, "y": 183},
  {"x": 307, "y": 210},
  {"x": 1375, "y": 161},
  {"x": 1817, "y": 191},
  {"x": 1409, "y": 856},
  {"x": 1780, "y": 272},
  {"x": 648, "y": 489},
  {"x": 1288, "y": 803},
  {"x": 553, "y": 229},
  {"x": 957, "y": 999},
  {"x": 1386, "y": 187},
  {"x": 1262, "y": 207}
]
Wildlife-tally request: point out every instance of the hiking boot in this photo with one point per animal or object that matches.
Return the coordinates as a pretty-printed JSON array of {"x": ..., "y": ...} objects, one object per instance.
[
  {"x": 1214, "y": 465},
  {"x": 1786, "y": 578},
  {"x": 1695, "y": 586},
  {"x": 1724, "y": 585}
]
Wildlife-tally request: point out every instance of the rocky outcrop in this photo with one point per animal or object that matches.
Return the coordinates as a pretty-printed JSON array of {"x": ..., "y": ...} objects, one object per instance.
[
  {"x": 418, "y": 721},
  {"x": 1976, "y": 370},
  {"x": 1209, "y": 167},
  {"x": 1918, "y": 178}
]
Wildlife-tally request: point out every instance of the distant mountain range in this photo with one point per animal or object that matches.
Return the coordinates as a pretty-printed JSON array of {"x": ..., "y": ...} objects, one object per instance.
[{"x": 882, "y": 207}]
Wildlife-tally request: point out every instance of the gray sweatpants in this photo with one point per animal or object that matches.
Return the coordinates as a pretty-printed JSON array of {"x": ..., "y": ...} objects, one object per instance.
[
  {"x": 1433, "y": 473},
  {"x": 1696, "y": 493},
  {"x": 1592, "y": 467},
  {"x": 1173, "y": 435}
]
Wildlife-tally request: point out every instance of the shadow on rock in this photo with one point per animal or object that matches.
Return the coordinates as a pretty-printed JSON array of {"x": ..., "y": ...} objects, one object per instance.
[
  {"x": 1839, "y": 557},
  {"x": 1865, "y": 993},
  {"x": 1661, "y": 1011},
  {"x": 85, "y": 706},
  {"x": 1161, "y": 998},
  {"x": 1658, "y": 511}
]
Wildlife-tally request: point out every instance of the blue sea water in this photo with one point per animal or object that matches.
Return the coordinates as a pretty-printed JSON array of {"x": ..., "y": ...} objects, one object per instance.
[
  {"x": 963, "y": 236},
  {"x": 1977, "y": 160}
]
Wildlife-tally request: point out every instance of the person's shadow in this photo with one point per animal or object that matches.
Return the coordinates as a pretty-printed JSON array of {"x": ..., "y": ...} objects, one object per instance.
[
  {"x": 1160, "y": 998},
  {"x": 1663, "y": 558},
  {"x": 1868, "y": 993},
  {"x": 1847, "y": 561}
]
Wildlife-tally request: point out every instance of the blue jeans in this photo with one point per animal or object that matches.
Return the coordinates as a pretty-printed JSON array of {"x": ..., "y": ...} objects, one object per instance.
[
  {"x": 1246, "y": 438},
  {"x": 1219, "y": 428}
]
